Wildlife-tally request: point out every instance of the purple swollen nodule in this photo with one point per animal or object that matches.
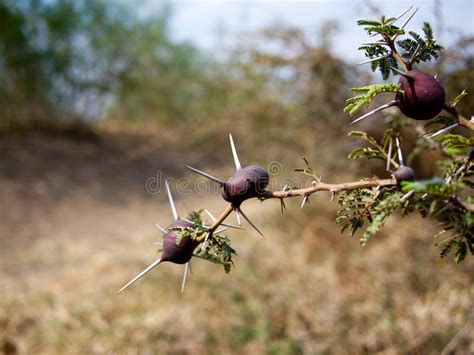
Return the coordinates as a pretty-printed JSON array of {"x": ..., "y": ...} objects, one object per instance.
[
  {"x": 178, "y": 253},
  {"x": 422, "y": 96},
  {"x": 246, "y": 183},
  {"x": 404, "y": 173}
]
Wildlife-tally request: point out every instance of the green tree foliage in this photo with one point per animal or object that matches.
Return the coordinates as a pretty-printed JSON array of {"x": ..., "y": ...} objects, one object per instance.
[{"x": 73, "y": 59}]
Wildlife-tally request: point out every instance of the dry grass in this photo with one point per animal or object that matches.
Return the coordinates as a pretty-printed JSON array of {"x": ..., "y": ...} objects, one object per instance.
[{"x": 303, "y": 288}]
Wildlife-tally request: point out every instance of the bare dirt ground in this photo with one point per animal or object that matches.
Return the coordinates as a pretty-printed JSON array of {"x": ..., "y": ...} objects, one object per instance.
[{"x": 76, "y": 223}]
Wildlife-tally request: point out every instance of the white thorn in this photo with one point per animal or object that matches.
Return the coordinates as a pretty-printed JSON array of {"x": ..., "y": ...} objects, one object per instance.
[
  {"x": 185, "y": 275},
  {"x": 408, "y": 19},
  {"x": 444, "y": 130},
  {"x": 140, "y": 275},
  {"x": 403, "y": 13},
  {"x": 382, "y": 43},
  {"x": 188, "y": 220},
  {"x": 204, "y": 244},
  {"x": 210, "y": 177},
  {"x": 374, "y": 59},
  {"x": 161, "y": 228},
  {"x": 231, "y": 226},
  {"x": 407, "y": 195},
  {"x": 399, "y": 151},
  {"x": 237, "y": 215},
  {"x": 210, "y": 215},
  {"x": 305, "y": 200},
  {"x": 170, "y": 198},
  {"x": 234, "y": 153},
  {"x": 389, "y": 154},
  {"x": 158, "y": 243},
  {"x": 383, "y": 107},
  {"x": 399, "y": 72},
  {"x": 415, "y": 52},
  {"x": 222, "y": 224},
  {"x": 249, "y": 221},
  {"x": 221, "y": 230}
]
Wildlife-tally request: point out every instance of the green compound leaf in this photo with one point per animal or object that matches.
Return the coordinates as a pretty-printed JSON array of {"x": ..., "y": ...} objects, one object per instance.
[
  {"x": 366, "y": 152},
  {"x": 381, "y": 211},
  {"x": 436, "y": 187},
  {"x": 356, "y": 103},
  {"x": 218, "y": 250}
]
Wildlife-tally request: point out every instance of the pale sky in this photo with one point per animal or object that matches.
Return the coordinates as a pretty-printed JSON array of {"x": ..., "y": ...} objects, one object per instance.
[{"x": 211, "y": 23}]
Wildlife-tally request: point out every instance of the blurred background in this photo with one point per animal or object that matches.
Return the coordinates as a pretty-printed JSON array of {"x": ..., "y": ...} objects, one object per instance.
[{"x": 102, "y": 100}]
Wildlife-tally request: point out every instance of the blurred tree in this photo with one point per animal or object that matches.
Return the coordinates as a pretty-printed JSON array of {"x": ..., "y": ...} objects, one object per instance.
[
  {"x": 77, "y": 58},
  {"x": 458, "y": 67}
]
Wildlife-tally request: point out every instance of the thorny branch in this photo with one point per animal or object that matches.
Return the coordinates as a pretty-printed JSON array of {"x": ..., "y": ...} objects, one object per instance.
[
  {"x": 305, "y": 192},
  {"x": 320, "y": 186},
  {"x": 463, "y": 121}
]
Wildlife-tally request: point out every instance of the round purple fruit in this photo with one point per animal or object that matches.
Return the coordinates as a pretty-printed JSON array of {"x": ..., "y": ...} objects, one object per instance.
[
  {"x": 423, "y": 97},
  {"x": 246, "y": 183},
  {"x": 404, "y": 173},
  {"x": 178, "y": 253}
]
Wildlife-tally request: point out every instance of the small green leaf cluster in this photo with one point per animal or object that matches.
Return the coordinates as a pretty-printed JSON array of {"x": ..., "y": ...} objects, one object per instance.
[
  {"x": 420, "y": 49},
  {"x": 375, "y": 150},
  {"x": 414, "y": 49},
  {"x": 308, "y": 170},
  {"x": 356, "y": 103},
  {"x": 217, "y": 250}
]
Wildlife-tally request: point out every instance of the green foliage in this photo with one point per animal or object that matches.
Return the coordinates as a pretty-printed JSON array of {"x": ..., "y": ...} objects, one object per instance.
[
  {"x": 61, "y": 59},
  {"x": 308, "y": 170},
  {"x": 435, "y": 187},
  {"x": 436, "y": 197},
  {"x": 382, "y": 49},
  {"x": 362, "y": 207},
  {"x": 455, "y": 143},
  {"x": 416, "y": 49},
  {"x": 378, "y": 150},
  {"x": 354, "y": 209},
  {"x": 420, "y": 49},
  {"x": 460, "y": 226},
  {"x": 218, "y": 250},
  {"x": 356, "y": 103},
  {"x": 381, "y": 209},
  {"x": 384, "y": 27}
]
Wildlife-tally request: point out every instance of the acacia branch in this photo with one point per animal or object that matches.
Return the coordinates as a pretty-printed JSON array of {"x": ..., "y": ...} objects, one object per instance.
[
  {"x": 320, "y": 186},
  {"x": 217, "y": 223},
  {"x": 305, "y": 192},
  {"x": 394, "y": 53},
  {"x": 463, "y": 121}
]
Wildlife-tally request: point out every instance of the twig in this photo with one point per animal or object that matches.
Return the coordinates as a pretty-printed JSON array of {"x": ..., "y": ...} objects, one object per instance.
[
  {"x": 217, "y": 223},
  {"x": 305, "y": 192},
  {"x": 328, "y": 187},
  {"x": 463, "y": 121}
]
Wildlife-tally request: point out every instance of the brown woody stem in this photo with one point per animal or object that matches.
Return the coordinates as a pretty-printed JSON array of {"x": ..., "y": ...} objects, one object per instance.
[
  {"x": 329, "y": 187},
  {"x": 463, "y": 121},
  {"x": 217, "y": 223},
  {"x": 304, "y": 192}
]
